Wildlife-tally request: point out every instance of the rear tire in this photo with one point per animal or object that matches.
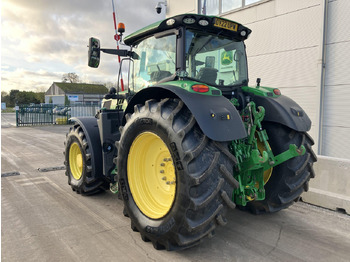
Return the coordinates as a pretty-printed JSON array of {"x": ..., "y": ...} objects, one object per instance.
[
  {"x": 289, "y": 179},
  {"x": 79, "y": 162},
  {"x": 202, "y": 169}
]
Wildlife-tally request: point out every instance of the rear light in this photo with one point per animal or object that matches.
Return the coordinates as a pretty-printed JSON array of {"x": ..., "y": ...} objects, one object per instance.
[
  {"x": 277, "y": 92},
  {"x": 200, "y": 88}
]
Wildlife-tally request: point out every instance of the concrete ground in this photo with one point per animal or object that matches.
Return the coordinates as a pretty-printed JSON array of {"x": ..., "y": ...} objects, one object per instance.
[{"x": 42, "y": 219}]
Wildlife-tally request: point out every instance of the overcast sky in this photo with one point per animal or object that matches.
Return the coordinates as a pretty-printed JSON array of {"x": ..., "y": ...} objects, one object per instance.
[{"x": 43, "y": 39}]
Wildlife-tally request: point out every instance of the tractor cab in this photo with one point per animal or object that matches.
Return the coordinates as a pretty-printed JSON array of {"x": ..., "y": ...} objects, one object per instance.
[
  {"x": 208, "y": 50},
  {"x": 204, "y": 49}
]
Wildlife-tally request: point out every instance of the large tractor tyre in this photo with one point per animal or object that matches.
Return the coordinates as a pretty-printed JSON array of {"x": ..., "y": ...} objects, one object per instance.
[
  {"x": 176, "y": 183},
  {"x": 287, "y": 181},
  {"x": 83, "y": 176}
]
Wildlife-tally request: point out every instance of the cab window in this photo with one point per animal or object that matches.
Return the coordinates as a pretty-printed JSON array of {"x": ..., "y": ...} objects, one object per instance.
[
  {"x": 214, "y": 59},
  {"x": 156, "y": 61}
]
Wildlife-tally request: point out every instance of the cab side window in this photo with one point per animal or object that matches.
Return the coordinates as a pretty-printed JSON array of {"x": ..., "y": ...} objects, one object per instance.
[{"x": 156, "y": 61}]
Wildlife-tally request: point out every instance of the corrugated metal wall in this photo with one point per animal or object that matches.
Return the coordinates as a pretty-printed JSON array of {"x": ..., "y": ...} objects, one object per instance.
[
  {"x": 284, "y": 49},
  {"x": 335, "y": 139}
]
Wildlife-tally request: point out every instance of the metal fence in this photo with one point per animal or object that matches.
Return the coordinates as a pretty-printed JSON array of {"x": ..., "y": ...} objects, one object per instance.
[{"x": 49, "y": 114}]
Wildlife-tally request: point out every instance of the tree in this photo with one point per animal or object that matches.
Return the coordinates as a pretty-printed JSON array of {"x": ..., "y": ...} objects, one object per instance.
[
  {"x": 3, "y": 95},
  {"x": 5, "y": 98},
  {"x": 40, "y": 97},
  {"x": 66, "y": 101},
  {"x": 70, "y": 77},
  {"x": 13, "y": 94},
  {"x": 22, "y": 97},
  {"x": 25, "y": 97}
]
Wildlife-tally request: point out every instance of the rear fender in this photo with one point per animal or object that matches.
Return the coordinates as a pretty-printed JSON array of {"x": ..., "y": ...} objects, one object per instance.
[
  {"x": 216, "y": 116},
  {"x": 285, "y": 111}
]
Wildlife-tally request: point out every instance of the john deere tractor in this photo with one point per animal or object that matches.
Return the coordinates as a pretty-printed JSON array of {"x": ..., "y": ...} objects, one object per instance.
[{"x": 188, "y": 138}]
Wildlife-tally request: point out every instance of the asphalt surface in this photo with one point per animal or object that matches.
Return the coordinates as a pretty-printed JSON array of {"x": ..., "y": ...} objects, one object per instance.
[{"x": 42, "y": 219}]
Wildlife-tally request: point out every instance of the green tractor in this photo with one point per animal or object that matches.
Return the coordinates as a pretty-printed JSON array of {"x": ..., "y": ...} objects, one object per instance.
[{"x": 189, "y": 138}]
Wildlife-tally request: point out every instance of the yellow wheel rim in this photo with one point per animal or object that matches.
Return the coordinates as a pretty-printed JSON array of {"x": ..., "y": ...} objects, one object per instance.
[
  {"x": 268, "y": 172},
  {"x": 75, "y": 161},
  {"x": 151, "y": 175}
]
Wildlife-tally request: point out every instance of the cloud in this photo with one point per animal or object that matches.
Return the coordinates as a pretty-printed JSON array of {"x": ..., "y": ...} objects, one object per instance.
[
  {"x": 27, "y": 80},
  {"x": 43, "y": 39}
]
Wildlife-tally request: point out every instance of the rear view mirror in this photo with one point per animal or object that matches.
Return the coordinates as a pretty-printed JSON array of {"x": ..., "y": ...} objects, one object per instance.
[{"x": 94, "y": 52}]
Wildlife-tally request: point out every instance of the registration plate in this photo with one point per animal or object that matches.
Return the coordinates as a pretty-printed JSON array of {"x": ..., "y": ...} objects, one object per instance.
[{"x": 225, "y": 24}]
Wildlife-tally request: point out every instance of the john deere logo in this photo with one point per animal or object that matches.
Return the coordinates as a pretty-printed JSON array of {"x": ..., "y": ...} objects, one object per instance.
[{"x": 226, "y": 57}]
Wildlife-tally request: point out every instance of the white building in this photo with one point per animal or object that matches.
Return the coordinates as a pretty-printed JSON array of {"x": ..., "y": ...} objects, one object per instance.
[
  {"x": 60, "y": 93},
  {"x": 303, "y": 48}
]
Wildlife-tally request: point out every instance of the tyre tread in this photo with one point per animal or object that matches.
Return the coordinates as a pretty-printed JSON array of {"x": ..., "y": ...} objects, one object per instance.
[{"x": 204, "y": 211}]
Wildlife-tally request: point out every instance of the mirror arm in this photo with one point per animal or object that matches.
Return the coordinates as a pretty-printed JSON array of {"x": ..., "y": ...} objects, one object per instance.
[{"x": 120, "y": 52}]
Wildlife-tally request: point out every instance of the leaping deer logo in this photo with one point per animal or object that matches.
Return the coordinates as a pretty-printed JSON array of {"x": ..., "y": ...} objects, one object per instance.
[{"x": 226, "y": 58}]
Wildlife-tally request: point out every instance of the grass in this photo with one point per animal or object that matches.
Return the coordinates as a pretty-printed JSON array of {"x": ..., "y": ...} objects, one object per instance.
[{"x": 8, "y": 110}]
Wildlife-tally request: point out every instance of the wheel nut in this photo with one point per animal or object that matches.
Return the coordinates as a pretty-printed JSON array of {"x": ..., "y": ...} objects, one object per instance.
[
  {"x": 162, "y": 164},
  {"x": 169, "y": 159},
  {"x": 165, "y": 160},
  {"x": 164, "y": 178},
  {"x": 162, "y": 171},
  {"x": 172, "y": 182},
  {"x": 168, "y": 182}
]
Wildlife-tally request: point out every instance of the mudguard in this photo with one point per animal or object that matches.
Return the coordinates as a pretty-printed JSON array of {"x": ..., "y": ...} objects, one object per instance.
[
  {"x": 109, "y": 122},
  {"x": 216, "y": 116},
  {"x": 285, "y": 111},
  {"x": 92, "y": 134}
]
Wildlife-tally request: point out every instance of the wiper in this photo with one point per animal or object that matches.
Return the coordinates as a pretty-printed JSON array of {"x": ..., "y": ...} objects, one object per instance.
[
  {"x": 200, "y": 49},
  {"x": 208, "y": 41}
]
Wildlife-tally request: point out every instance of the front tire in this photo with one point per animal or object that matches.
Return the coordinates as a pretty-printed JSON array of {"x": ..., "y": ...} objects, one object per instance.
[
  {"x": 289, "y": 179},
  {"x": 176, "y": 182},
  {"x": 83, "y": 174}
]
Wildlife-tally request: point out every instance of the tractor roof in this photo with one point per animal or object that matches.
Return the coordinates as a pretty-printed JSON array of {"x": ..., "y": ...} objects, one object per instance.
[{"x": 210, "y": 24}]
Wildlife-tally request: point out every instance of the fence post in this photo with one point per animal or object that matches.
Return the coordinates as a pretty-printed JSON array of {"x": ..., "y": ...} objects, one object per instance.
[
  {"x": 16, "y": 108},
  {"x": 51, "y": 114}
]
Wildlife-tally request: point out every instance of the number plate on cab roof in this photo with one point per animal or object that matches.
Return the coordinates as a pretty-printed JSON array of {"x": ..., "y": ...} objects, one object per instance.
[{"x": 225, "y": 24}]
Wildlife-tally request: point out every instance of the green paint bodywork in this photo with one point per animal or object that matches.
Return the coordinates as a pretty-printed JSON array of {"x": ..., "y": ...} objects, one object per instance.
[
  {"x": 260, "y": 91},
  {"x": 187, "y": 84},
  {"x": 251, "y": 162}
]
